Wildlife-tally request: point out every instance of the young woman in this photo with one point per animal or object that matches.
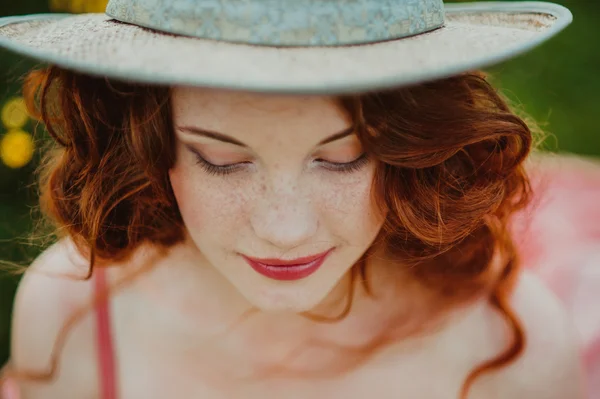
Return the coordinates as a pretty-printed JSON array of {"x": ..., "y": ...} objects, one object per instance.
[{"x": 262, "y": 202}]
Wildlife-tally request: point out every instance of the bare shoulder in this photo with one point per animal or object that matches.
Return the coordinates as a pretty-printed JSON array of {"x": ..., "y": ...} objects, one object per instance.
[
  {"x": 549, "y": 367},
  {"x": 49, "y": 293}
]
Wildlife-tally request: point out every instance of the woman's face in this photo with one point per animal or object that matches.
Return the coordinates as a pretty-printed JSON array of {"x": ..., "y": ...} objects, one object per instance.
[{"x": 278, "y": 177}]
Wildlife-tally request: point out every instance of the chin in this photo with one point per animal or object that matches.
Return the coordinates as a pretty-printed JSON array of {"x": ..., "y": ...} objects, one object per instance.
[{"x": 282, "y": 300}]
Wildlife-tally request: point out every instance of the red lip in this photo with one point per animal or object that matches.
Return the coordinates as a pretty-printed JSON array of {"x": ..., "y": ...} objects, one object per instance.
[
  {"x": 292, "y": 262},
  {"x": 294, "y": 269}
]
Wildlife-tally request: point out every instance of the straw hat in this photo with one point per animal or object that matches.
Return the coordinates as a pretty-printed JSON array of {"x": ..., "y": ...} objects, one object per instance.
[{"x": 285, "y": 46}]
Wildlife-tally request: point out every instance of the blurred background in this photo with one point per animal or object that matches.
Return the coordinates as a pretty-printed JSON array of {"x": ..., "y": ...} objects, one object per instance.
[{"x": 557, "y": 84}]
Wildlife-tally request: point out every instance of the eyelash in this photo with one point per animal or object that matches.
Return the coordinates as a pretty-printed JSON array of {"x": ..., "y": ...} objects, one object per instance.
[{"x": 224, "y": 170}]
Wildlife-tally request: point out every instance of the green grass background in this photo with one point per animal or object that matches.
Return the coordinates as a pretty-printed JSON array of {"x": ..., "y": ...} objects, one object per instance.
[{"x": 558, "y": 84}]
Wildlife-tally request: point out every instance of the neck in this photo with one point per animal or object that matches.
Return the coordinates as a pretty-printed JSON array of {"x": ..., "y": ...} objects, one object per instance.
[{"x": 192, "y": 300}]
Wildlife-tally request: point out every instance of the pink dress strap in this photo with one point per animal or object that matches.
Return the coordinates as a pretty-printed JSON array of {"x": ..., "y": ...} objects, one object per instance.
[
  {"x": 105, "y": 347},
  {"x": 106, "y": 358},
  {"x": 9, "y": 389}
]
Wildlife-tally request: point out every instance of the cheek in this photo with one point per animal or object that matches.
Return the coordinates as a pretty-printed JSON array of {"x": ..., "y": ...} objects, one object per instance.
[
  {"x": 206, "y": 204},
  {"x": 350, "y": 211}
]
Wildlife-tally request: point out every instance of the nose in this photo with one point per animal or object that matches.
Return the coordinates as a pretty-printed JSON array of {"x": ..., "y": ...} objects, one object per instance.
[{"x": 285, "y": 219}]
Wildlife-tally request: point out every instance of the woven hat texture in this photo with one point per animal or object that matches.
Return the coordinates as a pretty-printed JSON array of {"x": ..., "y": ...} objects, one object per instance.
[{"x": 472, "y": 36}]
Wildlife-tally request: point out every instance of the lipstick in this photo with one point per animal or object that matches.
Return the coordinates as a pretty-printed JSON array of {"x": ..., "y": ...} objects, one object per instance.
[{"x": 288, "y": 270}]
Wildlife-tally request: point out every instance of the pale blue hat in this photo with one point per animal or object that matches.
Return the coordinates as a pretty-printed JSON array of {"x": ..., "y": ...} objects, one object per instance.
[{"x": 285, "y": 46}]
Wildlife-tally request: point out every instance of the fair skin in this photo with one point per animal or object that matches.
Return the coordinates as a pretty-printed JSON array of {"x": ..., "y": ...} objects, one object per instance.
[{"x": 180, "y": 329}]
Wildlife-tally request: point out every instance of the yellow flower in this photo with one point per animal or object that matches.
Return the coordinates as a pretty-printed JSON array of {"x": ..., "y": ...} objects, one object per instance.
[
  {"x": 77, "y": 6},
  {"x": 16, "y": 148},
  {"x": 14, "y": 113},
  {"x": 96, "y": 6}
]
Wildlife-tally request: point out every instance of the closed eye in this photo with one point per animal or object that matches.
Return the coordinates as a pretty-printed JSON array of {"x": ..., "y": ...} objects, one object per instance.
[
  {"x": 217, "y": 170},
  {"x": 224, "y": 170},
  {"x": 346, "y": 167}
]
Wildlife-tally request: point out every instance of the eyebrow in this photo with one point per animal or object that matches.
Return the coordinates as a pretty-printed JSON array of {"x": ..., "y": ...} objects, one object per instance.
[{"x": 228, "y": 139}]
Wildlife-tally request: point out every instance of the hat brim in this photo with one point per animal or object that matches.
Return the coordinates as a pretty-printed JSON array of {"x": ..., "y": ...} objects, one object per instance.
[{"x": 475, "y": 35}]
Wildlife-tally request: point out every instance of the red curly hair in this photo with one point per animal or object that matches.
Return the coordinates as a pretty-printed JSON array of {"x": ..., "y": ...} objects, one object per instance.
[{"x": 449, "y": 175}]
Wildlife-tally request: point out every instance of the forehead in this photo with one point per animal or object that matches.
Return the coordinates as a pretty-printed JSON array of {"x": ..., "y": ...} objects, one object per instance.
[{"x": 193, "y": 104}]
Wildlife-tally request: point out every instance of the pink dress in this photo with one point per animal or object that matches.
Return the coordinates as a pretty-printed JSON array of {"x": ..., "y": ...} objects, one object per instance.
[
  {"x": 559, "y": 239},
  {"x": 558, "y": 236}
]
